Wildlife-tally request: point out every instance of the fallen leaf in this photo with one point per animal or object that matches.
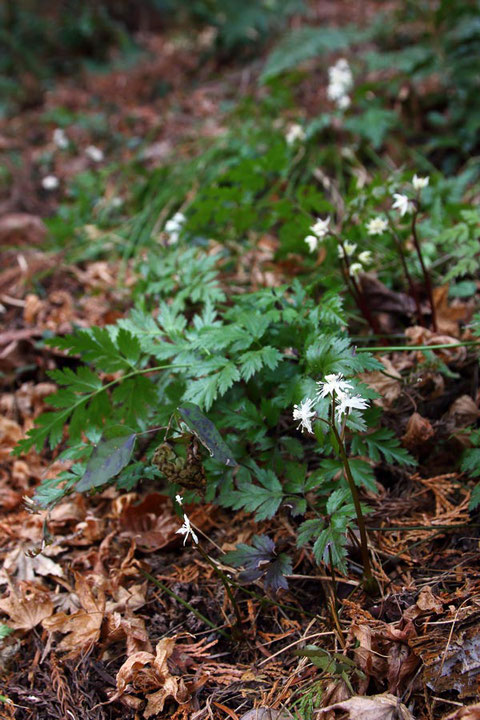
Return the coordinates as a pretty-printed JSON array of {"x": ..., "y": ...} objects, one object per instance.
[
  {"x": 464, "y": 411},
  {"x": 376, "y": 707},
  {"x": 21, "y": 228},
  {"x": 388, "y": 386},
  {"x": 82, "y": 628},
  {"x": 379, "y": 297},
  {"x": 418, "y": 335},
  {"x": 418, "y": 431},
  {"x": 147, "y": 671},
  {"x": 28, "y": 610},
  {"x": 267, "y": 714},
  {"x": 450, "y": 315},
  {"x": 428, "y": 602},
  {"x": 468, "y": 712}
]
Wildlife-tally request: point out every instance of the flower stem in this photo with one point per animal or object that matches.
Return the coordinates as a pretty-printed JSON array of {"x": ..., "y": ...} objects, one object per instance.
[
  {"x": 369, "y": 581},
  {"x": 408, "y": 277},
  {"x": 354, "y": 290},
  {"x": 426, "y": 274}
]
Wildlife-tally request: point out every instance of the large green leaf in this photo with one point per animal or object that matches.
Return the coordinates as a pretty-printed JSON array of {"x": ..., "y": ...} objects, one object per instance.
[{"x": 106, "y": 461}]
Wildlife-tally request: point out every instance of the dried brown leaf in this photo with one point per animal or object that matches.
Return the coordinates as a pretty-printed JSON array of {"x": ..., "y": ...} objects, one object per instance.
[
  {"x": 388, "y": 386},
  {"x": 376, "y": 707},
  {"x": 82, "y": 628},
  {"x": 28, "y": 610},
  {"x": 418, "y": 432},
  {"x": 468, "y": 712}
]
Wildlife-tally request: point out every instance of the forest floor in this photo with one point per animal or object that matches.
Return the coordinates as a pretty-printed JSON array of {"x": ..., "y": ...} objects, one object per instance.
[{"x": 109, "y": 615}]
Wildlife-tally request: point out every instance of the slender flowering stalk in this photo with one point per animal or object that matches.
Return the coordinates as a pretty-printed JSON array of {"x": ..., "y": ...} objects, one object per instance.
[
  {"x": 426, "y": 274},
  {"x": 342, "y": 403},
  {"x": 408, "y": 277},
  {"x": 186, "y": 528}
]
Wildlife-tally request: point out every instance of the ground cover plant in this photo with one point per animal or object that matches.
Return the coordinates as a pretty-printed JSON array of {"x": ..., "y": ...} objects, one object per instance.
[{"x": 239, "y": 439}]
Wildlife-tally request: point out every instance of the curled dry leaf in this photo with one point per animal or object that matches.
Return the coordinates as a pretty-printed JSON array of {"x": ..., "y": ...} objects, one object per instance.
[
  {"x": 418, "y": 335},
  {"x": 376, "y": 707},
  {"x": 147, "y": 671},
  {"x": 464, "y": 411},
  {"x": 418, "y": 431},
  {"x": 427, "y": 601}
]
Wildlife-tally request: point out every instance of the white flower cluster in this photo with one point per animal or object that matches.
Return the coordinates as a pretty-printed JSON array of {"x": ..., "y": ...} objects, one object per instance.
[
  {"x": 173, "y": 227},
  {"x": 364, "y": 258},
  {"x": 340, "y": 390},
  {"x": 186, "y": 528},
  {"x": 295, "y": 134},
  {"x": 320, "y": 231},
  {"x": 340, "y": 81}
]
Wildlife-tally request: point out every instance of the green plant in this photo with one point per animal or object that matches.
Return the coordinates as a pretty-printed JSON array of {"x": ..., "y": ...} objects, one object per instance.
[{"x": 245, "y": 361}]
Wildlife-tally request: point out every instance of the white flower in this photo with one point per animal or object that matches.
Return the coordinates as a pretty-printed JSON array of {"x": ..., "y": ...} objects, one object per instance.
[
  {"x": 295, "y": 133},
  {"x": 179, "y": 499},
  {"x": 420, "y": 182},
  {"x": 350, "y": 402},
  {"x": 365, "y": 257},
  {"x": 334, "y": 384},
  {"x": 320, "y": 228},
  {"x": 50, "y": 182},
  {"x": 60, "y": 139},
  {"x": 340, "y": 81},
  {"x": 401, "y": 203},
  {"x": 355, "y": 269},
  {"x": 312, "y": 242},
  {"x": 304, "y": 413},
  {"x": 175, "y": 223},
  {"x": 187, "y": 530},
  {"x": 94, "y": 153},
  {"x": 376, "y": 226}
]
